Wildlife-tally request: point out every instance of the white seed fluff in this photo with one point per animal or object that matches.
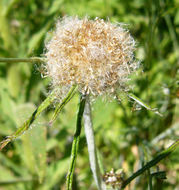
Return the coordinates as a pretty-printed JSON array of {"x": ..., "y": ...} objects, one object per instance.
[{"x": 95, "y": 55}]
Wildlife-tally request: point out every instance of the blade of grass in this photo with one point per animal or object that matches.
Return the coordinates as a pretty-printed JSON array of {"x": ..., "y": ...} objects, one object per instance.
[
  {"x": 139, "y": 101},
  {"x": 75, "y": 144},
  {"x": 152, "y": 163},
  {"x": 60, "y": 106}
]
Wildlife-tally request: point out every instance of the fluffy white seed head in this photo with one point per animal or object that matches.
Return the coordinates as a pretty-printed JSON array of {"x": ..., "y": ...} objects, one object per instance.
[{"x": 93, "y": 54}]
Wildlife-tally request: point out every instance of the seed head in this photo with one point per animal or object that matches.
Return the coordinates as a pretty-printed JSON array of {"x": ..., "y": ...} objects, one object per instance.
[{"x": 93, "y": 54}]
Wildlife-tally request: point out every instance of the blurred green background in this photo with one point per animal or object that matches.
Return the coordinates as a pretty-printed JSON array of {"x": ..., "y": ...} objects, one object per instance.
[{"x": 127, "y": 135}]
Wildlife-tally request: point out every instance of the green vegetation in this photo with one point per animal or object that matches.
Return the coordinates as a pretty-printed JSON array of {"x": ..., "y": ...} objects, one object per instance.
[{"x": 128, "y": 133}]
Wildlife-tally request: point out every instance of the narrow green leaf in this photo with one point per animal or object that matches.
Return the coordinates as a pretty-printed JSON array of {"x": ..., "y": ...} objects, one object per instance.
[
  {"x": 152, "y": 163},
  {"x": 139, "y": 101}
]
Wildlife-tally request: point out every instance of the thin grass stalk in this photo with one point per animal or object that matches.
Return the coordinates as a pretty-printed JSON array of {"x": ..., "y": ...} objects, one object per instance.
[
  {"x": 89, "y": 133},
  {"x": 17, "y": 60},
  {"x": 152, "y": 163},
  {"x": 150, "y": 187},
  {"x": 75, "y": 143}
]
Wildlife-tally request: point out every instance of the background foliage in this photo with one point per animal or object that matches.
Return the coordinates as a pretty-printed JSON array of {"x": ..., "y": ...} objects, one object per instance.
[{"x": 127, "y": 135}]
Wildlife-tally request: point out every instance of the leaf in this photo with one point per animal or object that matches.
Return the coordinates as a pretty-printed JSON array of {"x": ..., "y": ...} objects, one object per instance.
[
  {"x": 163, "y": 154},
  {"x": 139, "y": 101}
]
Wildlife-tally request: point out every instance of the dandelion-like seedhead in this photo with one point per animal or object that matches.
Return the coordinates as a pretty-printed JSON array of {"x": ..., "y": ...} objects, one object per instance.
[{"x": 95, "y": 55}]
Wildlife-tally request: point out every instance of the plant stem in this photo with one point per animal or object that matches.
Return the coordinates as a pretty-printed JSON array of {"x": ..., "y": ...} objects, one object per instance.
[
  {"x": 152, "y": 163},
  {"x": 150, "y": 187},
  {"x": 89, "y": 133},
  {"x": 47, "y": 102},
  {"x": 16, "y": 60},
  {"x": 75, "y": 144}
]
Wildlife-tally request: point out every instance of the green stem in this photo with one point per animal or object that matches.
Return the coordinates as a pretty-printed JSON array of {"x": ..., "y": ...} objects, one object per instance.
[
  {"x": 75, "y": 144},
  {"x": 152, "y": 163},
  {"x": 16, "y": 60},
  {"x": 150, "y": 180},
  {"x": 89, "y": 133}
]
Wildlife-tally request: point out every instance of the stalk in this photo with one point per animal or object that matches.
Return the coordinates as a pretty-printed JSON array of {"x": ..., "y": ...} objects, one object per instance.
[
  {"x": 75, "y": 144},
  {"x": 152, "y": 163},
  {"x": 17, "y": 60},
  {"x": 89, "y": 133}
]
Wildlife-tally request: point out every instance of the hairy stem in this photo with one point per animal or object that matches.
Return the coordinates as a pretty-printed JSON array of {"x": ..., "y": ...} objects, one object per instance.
[
  {"x": 91, "y": 144},
  {"x": 75, "y": 144},
  {"x": 152, "y": 163},
  {"x": 47, "y": 102},
  {"x": 16, "y": 60}
]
